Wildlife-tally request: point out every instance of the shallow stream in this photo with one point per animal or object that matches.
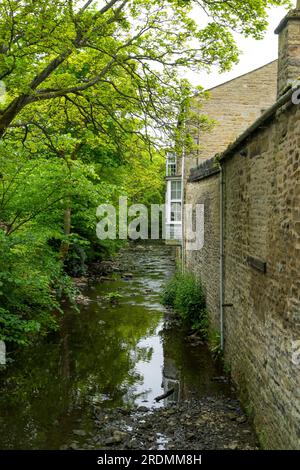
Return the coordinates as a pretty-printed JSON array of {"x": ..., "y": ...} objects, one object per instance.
[{"x": 119, "y": 351}]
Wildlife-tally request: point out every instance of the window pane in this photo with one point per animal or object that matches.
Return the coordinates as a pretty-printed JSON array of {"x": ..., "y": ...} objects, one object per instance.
[
  {"x": 171, "y": 158},
  {"x": 175, "y": 190},
  {"x": 175, "y": 232},
  {"x": 176, "y": 212},
  {"x": 171, "y": 169}
]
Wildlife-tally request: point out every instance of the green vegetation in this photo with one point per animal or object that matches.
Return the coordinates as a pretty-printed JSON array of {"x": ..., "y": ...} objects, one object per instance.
[
  {"x": 47, "y": 228},
  {"x": 113, "y": 297},
  {"x": 185, "y": 294},
  {"x": 214, "y": 342},
  {"x": 93, "y": 99}
]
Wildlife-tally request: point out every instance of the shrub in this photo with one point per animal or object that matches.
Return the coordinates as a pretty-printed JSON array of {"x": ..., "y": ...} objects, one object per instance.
[
  {"x": 32, "y": 284},
  {"x": 185, "y": 294},
  {"x": 169, "y": 294}
]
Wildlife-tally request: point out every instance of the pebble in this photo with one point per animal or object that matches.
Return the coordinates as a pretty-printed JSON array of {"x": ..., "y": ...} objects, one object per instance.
[{"x": 190, "y": 425}]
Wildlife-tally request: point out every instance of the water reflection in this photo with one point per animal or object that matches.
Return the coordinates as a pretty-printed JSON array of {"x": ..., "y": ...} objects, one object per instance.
[{"x": 150, "y": 369}]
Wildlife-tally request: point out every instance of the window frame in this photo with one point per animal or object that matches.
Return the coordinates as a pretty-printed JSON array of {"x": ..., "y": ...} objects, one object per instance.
[
  {"x": 175, "y": 200},
  {"x": 171, "y": 165}
]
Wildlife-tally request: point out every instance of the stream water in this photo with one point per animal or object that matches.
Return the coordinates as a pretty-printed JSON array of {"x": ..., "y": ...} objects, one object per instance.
[{"x": 118, "y": 351}]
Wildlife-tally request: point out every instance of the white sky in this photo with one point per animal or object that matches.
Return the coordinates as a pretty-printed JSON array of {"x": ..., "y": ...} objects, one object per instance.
[{"x": 254, "y": 54}]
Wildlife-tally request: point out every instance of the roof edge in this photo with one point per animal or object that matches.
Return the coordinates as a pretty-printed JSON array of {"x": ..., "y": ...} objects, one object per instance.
[
  {"x": 206, "y": 169},
  {"x": 241, "y": 76}
]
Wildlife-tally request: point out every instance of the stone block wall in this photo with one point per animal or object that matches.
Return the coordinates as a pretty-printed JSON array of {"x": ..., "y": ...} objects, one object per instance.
[
  {"x": 204, "y": 264},
  {"x": 262, "y": 222},
  {"x": 234, "y": 106},
  {"x": 261, "y": 189},
  {"x": 261, "y": 271}
]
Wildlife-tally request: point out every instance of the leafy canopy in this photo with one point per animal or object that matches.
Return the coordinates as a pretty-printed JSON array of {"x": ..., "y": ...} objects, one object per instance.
[{"x": 66, "y": 48}]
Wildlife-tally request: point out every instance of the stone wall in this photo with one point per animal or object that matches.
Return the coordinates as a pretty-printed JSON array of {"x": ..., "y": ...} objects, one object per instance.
[
  {"x": 261, "y": 190},
  {"x": 262, "y": 222},
  {"x": 234, "y": 105},
  {"x": 261, "y": 270},
  {"x": 205, "y": 263}
]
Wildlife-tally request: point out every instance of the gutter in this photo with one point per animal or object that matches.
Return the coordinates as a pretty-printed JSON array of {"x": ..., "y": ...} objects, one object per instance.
[
  {"x": 221, "y": 295},
  {"x": 182, "y": 206}
]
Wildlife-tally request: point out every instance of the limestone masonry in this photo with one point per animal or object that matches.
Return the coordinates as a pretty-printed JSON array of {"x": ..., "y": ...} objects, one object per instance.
[{"x": 251, "y": 198}]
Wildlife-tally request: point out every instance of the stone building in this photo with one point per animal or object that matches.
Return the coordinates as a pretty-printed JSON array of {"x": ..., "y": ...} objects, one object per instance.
[{"x": 250, "y": 262}]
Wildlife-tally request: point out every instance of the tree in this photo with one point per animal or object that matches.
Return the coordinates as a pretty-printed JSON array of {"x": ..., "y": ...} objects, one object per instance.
[
  {"x": 84, "y": 144},
  {"x": 147, "y": 40}
]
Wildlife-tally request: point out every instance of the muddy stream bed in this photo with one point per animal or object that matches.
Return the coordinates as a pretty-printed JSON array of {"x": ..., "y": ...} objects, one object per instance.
[{"x": 93, "y": 385}]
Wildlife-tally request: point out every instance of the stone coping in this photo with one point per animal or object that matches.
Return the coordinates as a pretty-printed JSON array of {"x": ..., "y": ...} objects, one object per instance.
[{"x": 204, "y": 170}]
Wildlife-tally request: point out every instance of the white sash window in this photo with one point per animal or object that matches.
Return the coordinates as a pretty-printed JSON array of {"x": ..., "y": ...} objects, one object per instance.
[
  {"x": 173, "y": 209},
  {"x": 171, "y": 165}
]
